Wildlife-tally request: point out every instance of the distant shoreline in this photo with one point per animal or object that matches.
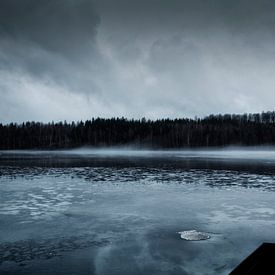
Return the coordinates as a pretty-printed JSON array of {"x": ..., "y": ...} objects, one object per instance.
[{"x": 214, "y": 131}]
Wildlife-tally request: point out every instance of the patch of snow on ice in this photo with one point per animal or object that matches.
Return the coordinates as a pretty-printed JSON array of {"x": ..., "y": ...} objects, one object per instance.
[{"x": 193, "y": 235}]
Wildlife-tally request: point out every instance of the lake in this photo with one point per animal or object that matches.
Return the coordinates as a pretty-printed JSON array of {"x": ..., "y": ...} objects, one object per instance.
[{"x": 120, "y": 211}]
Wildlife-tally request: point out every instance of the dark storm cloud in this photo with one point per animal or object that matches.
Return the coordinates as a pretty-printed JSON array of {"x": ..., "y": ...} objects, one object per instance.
[
  {"x": 73, "y": 59},
  {"x": 235, "y": 14},
  {"x": 49, "y": 39},
  {"x": 62, "y": 26}
]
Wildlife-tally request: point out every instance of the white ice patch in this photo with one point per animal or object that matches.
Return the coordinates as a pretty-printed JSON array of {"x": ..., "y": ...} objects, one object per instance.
[{"x": 193, "y": 235}]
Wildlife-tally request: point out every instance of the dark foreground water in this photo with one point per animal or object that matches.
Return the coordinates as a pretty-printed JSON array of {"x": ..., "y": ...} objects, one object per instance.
[{"x": 119, "y": 212}]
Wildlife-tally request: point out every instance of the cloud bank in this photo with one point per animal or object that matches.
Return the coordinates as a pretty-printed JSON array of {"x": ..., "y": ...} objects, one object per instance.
[{"x": 68, "y": 59}]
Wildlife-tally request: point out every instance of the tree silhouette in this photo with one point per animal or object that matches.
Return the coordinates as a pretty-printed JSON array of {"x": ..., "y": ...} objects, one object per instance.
[{"x": 213, "y": 130}]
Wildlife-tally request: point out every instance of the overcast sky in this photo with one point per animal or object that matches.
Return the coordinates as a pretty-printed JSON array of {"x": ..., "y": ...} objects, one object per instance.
[{"x": 77, "y": 59}]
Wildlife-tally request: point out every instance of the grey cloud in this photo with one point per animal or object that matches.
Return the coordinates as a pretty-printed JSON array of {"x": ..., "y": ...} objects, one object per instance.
[
  {"x": 234, "y": 14},
  {"x": 75, "y": 59},
  {"x": 63, "y": 26},
  {"x": 50, "y": 39}
]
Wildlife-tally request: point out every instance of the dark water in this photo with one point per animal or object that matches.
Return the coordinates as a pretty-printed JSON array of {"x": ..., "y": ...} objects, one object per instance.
[{"x": 75, "y": 213}]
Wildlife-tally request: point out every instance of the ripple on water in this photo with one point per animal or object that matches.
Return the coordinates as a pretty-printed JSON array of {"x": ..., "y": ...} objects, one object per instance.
[{"x": 26, "y": 250}]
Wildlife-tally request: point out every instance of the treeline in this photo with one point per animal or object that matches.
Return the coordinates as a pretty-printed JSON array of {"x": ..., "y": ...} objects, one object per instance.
[{"x": 213, "y": 130}]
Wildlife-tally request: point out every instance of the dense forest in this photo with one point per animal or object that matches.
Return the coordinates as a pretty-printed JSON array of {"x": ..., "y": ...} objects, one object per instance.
[{"x": 213, "y": 130}]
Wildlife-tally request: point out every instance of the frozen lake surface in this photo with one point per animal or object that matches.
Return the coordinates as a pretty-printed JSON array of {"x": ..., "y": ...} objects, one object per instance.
[{"x": 119, "y": 212}]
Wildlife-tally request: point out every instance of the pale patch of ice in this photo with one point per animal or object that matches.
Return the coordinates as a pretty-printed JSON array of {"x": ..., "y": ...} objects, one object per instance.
[{"x": 194, "y": 235}]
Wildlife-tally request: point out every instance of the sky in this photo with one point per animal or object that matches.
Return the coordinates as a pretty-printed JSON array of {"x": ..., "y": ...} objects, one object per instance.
[{"x": 78, "y": 59}]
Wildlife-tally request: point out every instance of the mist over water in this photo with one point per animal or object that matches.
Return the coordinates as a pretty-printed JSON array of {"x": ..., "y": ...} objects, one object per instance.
[
  {"x": 231, "y": 152},
  {"x": 119, "y": 211}
]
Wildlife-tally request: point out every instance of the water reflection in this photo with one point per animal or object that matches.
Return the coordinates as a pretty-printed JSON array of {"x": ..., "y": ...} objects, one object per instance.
[{"x": 121, "y": 215}]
